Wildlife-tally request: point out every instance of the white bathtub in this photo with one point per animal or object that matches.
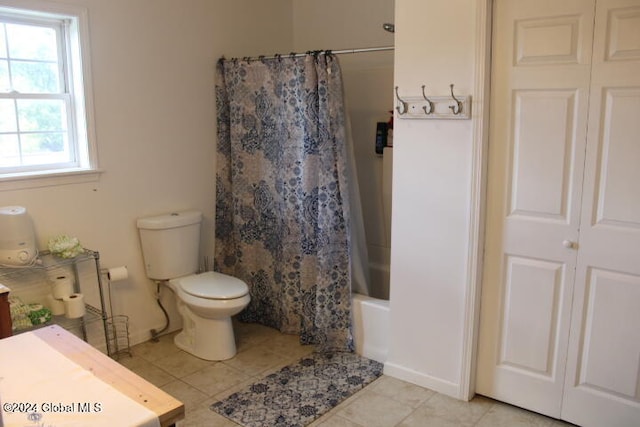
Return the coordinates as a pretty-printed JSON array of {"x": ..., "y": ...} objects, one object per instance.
[{"x": 371, "y": 327}]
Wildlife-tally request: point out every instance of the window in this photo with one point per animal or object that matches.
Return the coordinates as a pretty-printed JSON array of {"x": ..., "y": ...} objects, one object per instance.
[{"x": 43, "y": 93}]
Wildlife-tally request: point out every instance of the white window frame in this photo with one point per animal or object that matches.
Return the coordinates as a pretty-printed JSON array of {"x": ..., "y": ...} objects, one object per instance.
[{"x": 77, "y": 78}]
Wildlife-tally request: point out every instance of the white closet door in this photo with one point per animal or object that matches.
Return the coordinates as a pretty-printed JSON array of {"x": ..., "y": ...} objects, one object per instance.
[
  {"x": 539, "y": 105},
  {"x": 603, "y": 367}
]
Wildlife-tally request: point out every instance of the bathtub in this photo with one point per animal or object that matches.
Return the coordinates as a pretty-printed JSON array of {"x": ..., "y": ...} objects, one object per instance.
[{"x": 371, "y": 327}]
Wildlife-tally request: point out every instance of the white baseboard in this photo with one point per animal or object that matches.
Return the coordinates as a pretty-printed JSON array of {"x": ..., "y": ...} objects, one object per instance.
[{"x": 436, "y": 384}]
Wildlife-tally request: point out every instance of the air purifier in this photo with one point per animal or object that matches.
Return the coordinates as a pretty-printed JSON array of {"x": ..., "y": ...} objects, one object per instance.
[{"x": 17, "y": 239}]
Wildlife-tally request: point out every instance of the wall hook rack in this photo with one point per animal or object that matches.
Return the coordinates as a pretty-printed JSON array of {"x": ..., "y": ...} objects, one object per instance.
[{"x": 433, "y": 107}]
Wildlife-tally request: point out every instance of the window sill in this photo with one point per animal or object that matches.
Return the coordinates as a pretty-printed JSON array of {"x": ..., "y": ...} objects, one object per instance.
[{"x": 21, "y": 182}]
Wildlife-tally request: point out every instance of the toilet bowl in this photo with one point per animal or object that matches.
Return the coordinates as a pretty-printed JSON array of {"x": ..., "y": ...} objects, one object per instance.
[
  {"x": 206, "y": 302},
  {"x": 170, "y": 248}
]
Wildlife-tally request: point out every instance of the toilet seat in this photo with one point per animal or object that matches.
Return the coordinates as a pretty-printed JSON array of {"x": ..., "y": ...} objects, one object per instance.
[{"x": 213, "y": 285}]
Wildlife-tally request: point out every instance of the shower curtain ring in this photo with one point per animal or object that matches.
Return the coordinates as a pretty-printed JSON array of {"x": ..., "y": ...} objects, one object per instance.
[{"x": 403, "y": 107}]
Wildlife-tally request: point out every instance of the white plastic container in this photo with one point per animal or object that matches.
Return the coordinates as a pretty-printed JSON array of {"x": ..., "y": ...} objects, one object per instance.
[{"x": 17, "y": 238}]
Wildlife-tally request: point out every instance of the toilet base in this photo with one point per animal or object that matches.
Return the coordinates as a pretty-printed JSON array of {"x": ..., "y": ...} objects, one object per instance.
[{"x": 208, "y": 339}]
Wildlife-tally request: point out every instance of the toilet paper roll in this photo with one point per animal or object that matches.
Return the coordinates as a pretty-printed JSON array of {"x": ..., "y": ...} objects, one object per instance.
[
  {"x": 62, "y": 286},
  {"x": 74, "y": 306},
  {"x": 55, "y": 305},
  {"x": 117, "y": 273}
]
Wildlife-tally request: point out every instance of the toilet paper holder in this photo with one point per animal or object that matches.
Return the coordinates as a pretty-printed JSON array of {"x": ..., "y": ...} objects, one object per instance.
[{"x": 117, "y": 325}]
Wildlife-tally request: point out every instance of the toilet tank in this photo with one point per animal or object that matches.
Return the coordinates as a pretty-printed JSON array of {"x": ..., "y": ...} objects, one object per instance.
[{"x": 170, "y": 244}]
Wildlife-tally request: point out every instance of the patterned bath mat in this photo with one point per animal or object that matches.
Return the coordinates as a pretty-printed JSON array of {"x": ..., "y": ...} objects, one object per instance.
[{"x": 299, "y": 393}]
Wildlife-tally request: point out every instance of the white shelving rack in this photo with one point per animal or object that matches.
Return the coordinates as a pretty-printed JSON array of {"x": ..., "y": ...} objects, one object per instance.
[{"x": 31, "y": 285}]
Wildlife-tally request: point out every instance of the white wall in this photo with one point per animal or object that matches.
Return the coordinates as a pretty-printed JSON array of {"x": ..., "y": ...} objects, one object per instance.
[
  {"x": 153, "y": 74},
  {"x": 432, "y": 198}
]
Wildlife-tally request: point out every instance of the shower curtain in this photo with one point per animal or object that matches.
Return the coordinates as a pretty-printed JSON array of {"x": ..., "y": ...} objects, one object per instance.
[{"x": 282, "y": 202}]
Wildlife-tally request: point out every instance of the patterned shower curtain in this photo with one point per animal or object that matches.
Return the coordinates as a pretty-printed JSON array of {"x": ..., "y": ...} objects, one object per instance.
[{"x": 282, "y": 205}]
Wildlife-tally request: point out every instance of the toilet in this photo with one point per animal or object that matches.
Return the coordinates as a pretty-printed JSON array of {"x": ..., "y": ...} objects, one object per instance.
[{"x": 206, "y": 301}]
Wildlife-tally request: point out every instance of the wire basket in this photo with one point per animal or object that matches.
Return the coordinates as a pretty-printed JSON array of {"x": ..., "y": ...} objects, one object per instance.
[{"x": 118, "y": 336}]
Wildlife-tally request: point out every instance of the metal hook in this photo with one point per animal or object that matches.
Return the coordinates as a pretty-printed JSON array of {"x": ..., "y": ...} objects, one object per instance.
[
  {"x": 429, "y": 102},
  {"x": 405, "y": 106},
  {"x": 456, "y": 109}
]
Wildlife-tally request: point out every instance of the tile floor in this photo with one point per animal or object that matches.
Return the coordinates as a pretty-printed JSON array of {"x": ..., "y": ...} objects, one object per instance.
[{"x": 387, "y": 402}]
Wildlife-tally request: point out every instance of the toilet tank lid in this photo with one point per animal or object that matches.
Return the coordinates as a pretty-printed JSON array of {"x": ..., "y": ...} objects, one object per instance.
[
  {"x": 170, "y": 220},
  {"x": 213, "y": 285}
]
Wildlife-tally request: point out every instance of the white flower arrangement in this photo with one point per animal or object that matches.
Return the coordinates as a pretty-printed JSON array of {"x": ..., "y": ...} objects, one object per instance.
[{"x": 65, "y": 246}]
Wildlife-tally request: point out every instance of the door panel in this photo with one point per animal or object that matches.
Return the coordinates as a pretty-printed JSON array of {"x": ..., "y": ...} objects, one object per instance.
[
  {"x": 547, "y": 40},
  {"x": 603, "y": 373},
  {"x": 539, "y": 106},
  {"x": 623, "y": 33},
  {"x": 544, "y": 124},
  {"x": 533, "y": 289},
  {"x": 603, "y": 367},
  {"x": 619, "y": 172},
  {"x": 611, "y": 301},
  {"x": 559, "y": 329}
]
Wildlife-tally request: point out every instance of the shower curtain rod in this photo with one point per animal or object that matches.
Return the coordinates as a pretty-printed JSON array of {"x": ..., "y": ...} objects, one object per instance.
[{"x": 335, "y": 52}]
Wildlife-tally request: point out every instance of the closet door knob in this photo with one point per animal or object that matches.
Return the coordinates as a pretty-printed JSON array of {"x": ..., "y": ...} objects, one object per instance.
[{"x": 569, "y": 244}]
